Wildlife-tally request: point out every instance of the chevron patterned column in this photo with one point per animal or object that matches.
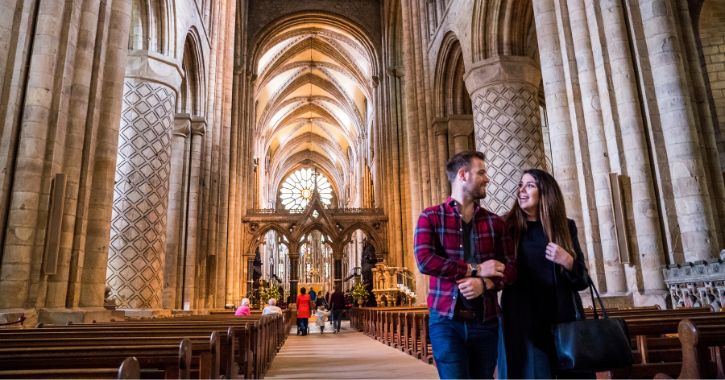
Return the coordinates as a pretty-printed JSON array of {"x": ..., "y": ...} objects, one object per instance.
[
  {"x": 507, "y": 124},
  {"x": 138, "y": 225}
]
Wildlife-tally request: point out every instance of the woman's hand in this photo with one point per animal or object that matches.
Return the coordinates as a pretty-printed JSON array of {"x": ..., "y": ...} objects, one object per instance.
[{"x": 559, "y": 255}]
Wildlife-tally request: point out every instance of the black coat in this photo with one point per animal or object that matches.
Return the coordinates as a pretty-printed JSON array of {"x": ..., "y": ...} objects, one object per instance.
[{"x": 544, "y": 294}]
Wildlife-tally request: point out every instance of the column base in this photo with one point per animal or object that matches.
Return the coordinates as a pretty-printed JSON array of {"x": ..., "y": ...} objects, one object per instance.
[
  {"x": 146, "y": 313},
  {"x": 621, "y": 300},
  {"x": 653, "y": 297},
  {"x": 12, "y": 315},
  {"x": 63, "y": 316}
]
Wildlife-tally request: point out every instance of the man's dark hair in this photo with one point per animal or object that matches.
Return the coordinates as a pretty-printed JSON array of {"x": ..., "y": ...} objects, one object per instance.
[
  {"x": 462, "y": 160},
  {"x": 303, "y": 291}
]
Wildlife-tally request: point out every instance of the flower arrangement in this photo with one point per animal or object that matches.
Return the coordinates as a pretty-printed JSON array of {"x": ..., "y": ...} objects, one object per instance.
[
  {"x": 359, "y": 292},
  {"x": 265, "y": 293}
]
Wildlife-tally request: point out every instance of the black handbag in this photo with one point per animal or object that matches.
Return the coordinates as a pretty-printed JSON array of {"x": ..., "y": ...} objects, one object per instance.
[{"x": 593, "y": 344}]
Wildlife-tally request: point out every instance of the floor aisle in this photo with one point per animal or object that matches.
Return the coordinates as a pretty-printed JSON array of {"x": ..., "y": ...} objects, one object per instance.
[{"x": 348, "y": 355}]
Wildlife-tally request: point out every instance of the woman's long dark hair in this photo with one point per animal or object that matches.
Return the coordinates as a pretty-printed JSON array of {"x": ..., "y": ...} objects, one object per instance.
[{"x": 552, "y": 212}]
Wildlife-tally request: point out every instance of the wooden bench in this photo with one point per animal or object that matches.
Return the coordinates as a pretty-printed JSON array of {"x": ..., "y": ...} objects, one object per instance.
[
  {"x": 703, "y": 346},
  {"x": 170, "y": 361}
]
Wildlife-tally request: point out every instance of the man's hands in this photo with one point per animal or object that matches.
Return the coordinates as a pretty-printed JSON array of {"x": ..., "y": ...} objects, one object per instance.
[
  {"x": 470, "y": 287},
  {"x": 491, "y": 268}
]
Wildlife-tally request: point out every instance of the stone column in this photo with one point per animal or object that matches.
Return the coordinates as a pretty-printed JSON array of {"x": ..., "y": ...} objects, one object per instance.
[
  {"x": 138, "y": 225},
  {"x": 294, "y": 262},
  {"x": 175, "y": 216},
  {"x": 459, "y": 128},
  {"x": 557, "y": 107},
  {"x": 634, "y": 147},
  {"x": 440, "y": 130},
  {"x": 337, "y": 270},
  {"x": 506, "y": 121},
  {"x": 193, "y": 264},
  {"x": 607, "y": 255},
  {"x": 682, "y": 143}
]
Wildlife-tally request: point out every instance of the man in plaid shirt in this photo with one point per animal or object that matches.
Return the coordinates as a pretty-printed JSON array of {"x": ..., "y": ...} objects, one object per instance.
[{"x": 469, "y": 256}]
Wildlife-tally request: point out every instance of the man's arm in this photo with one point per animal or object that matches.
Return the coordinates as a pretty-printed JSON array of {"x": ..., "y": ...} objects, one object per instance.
[
  {"x": 424, "y": 247},
  {"x": 505, "y": 252}
]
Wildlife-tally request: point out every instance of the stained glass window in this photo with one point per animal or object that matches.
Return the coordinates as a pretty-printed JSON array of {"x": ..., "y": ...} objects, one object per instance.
[{"x": 298, "y": 187}]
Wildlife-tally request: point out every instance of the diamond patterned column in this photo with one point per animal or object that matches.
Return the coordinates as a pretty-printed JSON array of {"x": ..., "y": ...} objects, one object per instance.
[
  {"x": 138, "y": 225},
  {"x": 506, "y": 124}
]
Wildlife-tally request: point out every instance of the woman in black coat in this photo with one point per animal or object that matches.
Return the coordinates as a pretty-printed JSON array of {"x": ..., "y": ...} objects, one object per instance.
[{"x": 550, "y": 267}]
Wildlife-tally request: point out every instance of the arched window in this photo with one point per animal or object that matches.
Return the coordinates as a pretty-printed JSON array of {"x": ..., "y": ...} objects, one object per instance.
[{"x": 297, "y": 189}]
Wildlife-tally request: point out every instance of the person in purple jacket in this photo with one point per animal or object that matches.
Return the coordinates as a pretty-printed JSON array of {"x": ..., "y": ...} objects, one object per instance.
[{"x": 469, "y": 255}]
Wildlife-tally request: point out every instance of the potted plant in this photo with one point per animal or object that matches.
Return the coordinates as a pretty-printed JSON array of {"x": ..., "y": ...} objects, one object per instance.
[{"x": 359, "y": 293}]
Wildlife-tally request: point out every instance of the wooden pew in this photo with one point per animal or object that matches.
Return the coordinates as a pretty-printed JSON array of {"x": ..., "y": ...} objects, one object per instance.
[
  {"x": 129, "y": 369},
  {"x": 205, "y": 348},
  {"x": 703, "y": 346},
  {"x": 172, "y": 361}
]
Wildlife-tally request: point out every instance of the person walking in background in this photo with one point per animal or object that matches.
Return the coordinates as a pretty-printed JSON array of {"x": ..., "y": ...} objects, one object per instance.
[
  {"x": 551, "y": 269},
  {"x": 469, "y": 255},
  {"x": 337, "y": 305},
  {"x": 243, "y": 309},
  {"x": 304, "y": 307},
  {"x": 321, "y": 315}
]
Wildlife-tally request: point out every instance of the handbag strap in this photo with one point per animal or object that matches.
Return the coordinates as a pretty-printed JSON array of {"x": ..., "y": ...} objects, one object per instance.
[{"x": 592, "y": 290}]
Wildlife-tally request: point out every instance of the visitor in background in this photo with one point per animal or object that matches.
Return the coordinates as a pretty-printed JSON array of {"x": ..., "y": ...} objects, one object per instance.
[
  {"x": 550, "y": 272},
  {"x": 321, "y": 315},
  {"x": 271, "y": 308},
  {"x": 304, "y": 307},
  {"x": 337, "y": 305},
  {"x": 243, "y": 309}
]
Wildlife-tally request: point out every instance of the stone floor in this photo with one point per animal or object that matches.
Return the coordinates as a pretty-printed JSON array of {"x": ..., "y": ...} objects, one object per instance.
[{"x": 348, "y": 355}]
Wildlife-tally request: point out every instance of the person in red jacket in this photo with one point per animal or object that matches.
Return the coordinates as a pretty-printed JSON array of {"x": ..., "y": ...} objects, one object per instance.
[{"x": 304, "y": 305}]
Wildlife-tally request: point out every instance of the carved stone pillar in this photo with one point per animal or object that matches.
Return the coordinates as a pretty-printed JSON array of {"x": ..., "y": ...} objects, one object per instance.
[
  {"x": 506, "y": 120},
  {"x": 459, "y": 128},
  {"x": 182, "y": 129},
  {"x": 138, "y": 225}
]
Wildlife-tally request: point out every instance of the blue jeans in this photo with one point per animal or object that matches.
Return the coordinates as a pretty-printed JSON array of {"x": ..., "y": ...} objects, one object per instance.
[
  {"x": 463, "y": 350},
  {"x": 303, "y": 325},
  {"x": 336, "y": 319}
]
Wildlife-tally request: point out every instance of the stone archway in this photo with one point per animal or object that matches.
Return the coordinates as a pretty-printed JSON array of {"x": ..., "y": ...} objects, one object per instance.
[{"x": 337, "y": 223}]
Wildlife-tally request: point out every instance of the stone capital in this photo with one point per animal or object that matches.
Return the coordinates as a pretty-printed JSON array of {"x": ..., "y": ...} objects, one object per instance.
[
  {"x": 440, "y": 126},
  {"x": 502, "y": 69},
  {"x": 182, "y": 124},
  {"x": 198, "y": 125},
  {"x": 460, "y": 125},
  {"x": 154, "y": 67}
]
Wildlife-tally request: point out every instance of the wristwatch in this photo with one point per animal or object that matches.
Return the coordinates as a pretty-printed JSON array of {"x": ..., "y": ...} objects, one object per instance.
[{"x": 474, "y": 270}]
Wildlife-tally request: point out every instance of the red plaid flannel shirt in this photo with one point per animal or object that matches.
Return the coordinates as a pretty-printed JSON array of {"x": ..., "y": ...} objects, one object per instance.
[{"x": 438, "y": 246}]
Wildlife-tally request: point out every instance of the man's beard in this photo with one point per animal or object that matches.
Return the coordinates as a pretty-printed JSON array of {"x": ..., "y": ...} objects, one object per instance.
[{"x": 477, "y": 195}]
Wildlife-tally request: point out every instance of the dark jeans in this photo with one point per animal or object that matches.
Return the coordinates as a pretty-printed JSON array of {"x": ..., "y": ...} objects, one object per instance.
[
  {"x": 463, "y": 350},
  {"x": 303, "y": 325},
  {"x": 336, "y": 319}
]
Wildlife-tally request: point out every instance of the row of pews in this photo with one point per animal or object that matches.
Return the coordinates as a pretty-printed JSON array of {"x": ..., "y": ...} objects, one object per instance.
[
  {"x": 211, "y": 346},
  {"x": 682, "y": 343}
]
